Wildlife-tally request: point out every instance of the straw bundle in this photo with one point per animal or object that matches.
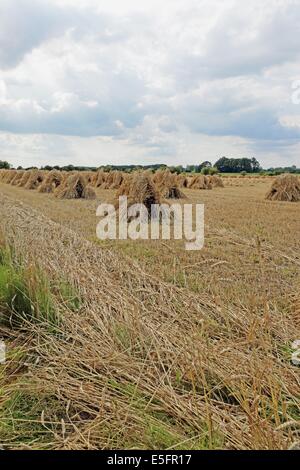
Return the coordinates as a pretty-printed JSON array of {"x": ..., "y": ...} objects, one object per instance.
[
  {"x": 17, "y": 178},
  {"x": 89, "y": 176},
  {"x": 167, "y": 185},
  {"x": 9, "y": 176},
  {"x": 36, "y": 177},
  {"x": 99, "y": 179},
  {"x": 285, "y": 188},
  {"x": 51, "y": 182},
  {"x": 75, "y": 187},
  {"x": 108, "y": 180},
  {"x": 24, "y": 179},
  {"x": 216, "y": 181},
  {"x": 139, "y": 189},
  {"x": 182, "y": 181},
  {"x": 200, "y": 182},
  {"x": 114, "y": 180},
  {"x": 2, "y": 174},
  {"x": 117, "y": 180},
  {"x": 124, "y": 189},
  {"x": 161, "y": 176}
]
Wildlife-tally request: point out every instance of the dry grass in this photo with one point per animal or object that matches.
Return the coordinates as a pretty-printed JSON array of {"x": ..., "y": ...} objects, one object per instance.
[{"x": 165, "y": 351}]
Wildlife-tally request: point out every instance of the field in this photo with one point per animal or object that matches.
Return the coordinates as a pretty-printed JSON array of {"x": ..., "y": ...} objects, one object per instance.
[{"x": 141, "y": 344}]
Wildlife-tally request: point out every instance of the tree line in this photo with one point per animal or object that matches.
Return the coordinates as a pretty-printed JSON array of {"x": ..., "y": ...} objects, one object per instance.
[{"x": 223, "y": 165}]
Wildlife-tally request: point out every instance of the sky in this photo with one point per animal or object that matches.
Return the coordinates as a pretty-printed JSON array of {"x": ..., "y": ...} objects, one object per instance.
[{"x": 91, "y": 82}]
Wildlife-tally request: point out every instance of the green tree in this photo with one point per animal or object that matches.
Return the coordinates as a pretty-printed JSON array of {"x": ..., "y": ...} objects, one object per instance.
[
  {"x": 205, "y": 164},
  {"x": 236, "y": 165},
  {"x": 4, "y": 165}
]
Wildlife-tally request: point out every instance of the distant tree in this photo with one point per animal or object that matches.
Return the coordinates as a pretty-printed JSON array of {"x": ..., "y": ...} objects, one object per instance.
[
  {"x": 179, "y": 169},
  {"x": 255, "y": 165},
  {"x": 190, "y": 168},
  {"x": 172, "y": 169},
  {"x": 68, "y": 168},
  {"x": 213, "y": 170},
  {"x": 245, "y": 164},
  {"x": 4, "y": 165},
  {"x": 107, "y": 168},
  {"x": 236, "y": 165},
  {"x": 205, "y": 170},
  {"x": 205, "y": 164},
  {"x": 224, "y": 165}
]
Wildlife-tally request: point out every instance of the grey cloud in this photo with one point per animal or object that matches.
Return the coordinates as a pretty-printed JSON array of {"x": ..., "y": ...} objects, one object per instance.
[
  {"x": 240, "y": 44},
  {"x": 256, "y": 123},
  {"x": 90, "y": 113},
  {"x": 132, "y": 77},
  {"x": 25, "y": 24}
]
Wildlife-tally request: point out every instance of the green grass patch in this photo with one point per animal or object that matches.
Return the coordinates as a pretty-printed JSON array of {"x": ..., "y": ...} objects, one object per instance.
[
  {"x": 69, "y": 296},
  {"x": 158, "y": 429},
  {"x": 25, "y": 293},
  {"x": 29, "y": 419}
]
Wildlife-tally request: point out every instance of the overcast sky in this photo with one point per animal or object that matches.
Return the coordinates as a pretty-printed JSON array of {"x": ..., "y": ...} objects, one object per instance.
[{"x": 95, "y": 82}]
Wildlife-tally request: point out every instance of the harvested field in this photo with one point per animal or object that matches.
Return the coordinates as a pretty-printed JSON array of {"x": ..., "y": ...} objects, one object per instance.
[
  {"x": 158, "y": 339},
  {"x": 149, "y": 230},
  {"x": 239, "y": 213}
]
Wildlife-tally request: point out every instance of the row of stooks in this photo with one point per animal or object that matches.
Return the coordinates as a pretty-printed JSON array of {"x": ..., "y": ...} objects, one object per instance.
[
  {"x": 75, "y": 185},
  {"x": 163, "y": 183}
]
